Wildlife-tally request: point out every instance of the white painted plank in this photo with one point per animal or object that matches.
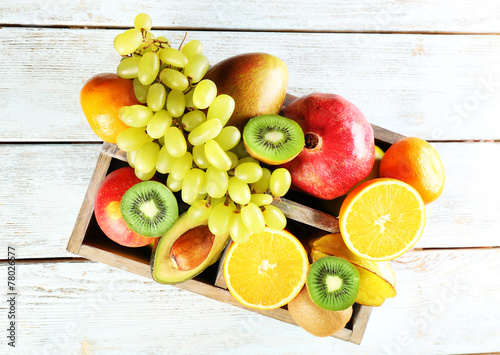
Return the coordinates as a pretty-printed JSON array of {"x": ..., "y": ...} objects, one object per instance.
[
  {"x": 316, "y": 15},
  {"x": 44, "y": 186},
  {"x": 447, "y": 303},
  {"x": 433, "y": 86}
]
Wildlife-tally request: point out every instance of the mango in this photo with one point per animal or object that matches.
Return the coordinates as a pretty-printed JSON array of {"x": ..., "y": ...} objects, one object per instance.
[{"x": 256, "y": 81}]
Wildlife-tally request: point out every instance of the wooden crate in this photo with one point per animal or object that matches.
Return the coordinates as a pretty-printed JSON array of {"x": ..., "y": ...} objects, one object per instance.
[{"x": 88, "y": 241}]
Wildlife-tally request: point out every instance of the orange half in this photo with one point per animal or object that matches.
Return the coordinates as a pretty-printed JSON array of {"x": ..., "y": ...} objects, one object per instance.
[
  {"x": 267, "y": 271},
  {"x": 382, "y": 219}
]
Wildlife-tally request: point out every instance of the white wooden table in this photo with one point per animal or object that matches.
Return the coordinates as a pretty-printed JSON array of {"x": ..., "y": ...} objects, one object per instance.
[{"x": 420, "y": 68}]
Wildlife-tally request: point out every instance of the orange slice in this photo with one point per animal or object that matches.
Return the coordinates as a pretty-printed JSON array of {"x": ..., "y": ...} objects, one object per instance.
[
  {"x": 267, "y": 271},
  {"x": 382, "y": 219}
]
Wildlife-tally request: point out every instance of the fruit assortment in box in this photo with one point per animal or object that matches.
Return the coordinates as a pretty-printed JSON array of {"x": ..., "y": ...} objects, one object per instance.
[{"x": 221, "y": 163}]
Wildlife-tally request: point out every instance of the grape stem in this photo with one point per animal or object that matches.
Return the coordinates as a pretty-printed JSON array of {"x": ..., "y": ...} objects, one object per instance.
[
  {"x": 183, "y": 40},
  {"x": 226, "y": 201}
]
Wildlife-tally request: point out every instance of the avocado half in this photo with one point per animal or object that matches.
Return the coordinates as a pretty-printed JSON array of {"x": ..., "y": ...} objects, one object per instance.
[{"x": 163, "y": 268}]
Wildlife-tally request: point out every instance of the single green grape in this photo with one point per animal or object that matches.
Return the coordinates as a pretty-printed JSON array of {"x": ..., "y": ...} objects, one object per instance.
[
  {"x": 240, "y": 150},
  {"x": 174, "y": 79},
  {"x": 204, "y": 94},
  {"x": 221, "y": 108},
  {"x": 135, "y": 115},
  {"x": 274, "y": 217},
  {"x": 199, "y": 156},
  {"x": 131, "y": 158},
  {"x": 159, "y": 123},
  {"x": 228, "y": 137},
  {"x": 238, "y": 191},
  {"x": 145, "y": 160},
  {"x": 157, "y": 96},
  {"x": 128, "y": 41},
  {"x": 252, "y": 218},
  {"x": 140, "y": 90},
  {"x": 172, "y": 184},
  {"x": 237, "y": 230},
  {"x": 234, "y": 159},
  {"x": 192, "y": 183},
  {"x": 248, "y": 172},
  {"x": 143, "y": 21},
  {"x": 165, "y": 161},
  {"x": 181, "y": 166},
  {"x": 192, "y": 48},
  {"x": 216, "y": 156},
  {"x": 149, "y": 66},
  {"x": 175, "y": 142},
  {"x": 176, "y": 103},
  {"x": 205, "y": 131},
  {"x": 174, "y": 57},
  {"x": 193, "y": 119},
  {"x": 261, "y": 186},
  {"x": 280, "y": 182},
  {"x": 197, "y": 67},
  {"x": 199, "y": 211},
  {"x": 144, "y": 176},
  {"x": 219, "y": 219},
  {"x": 189, "y": 98},
  {"x": 128, "y": 68},
  {"x": 216, "y": 182},
  {"x": 261, "y": 199},
  {"x": 132, "y": 139}
]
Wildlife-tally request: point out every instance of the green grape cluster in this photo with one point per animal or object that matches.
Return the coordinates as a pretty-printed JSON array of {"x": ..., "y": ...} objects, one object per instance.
[{"x": 180, "y": 130}]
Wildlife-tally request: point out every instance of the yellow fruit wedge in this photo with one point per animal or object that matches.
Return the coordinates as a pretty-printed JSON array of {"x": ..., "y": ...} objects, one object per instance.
[
  {"x": 268, "y": 270},
  {"x": 377, "y": 279}
]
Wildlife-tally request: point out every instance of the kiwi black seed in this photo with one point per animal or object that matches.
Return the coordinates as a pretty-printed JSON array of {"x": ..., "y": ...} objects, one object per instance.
[
  {"x": 333, "y": 283},
  {"x": 273, "y": 139},
  {"x": 149, "y": 208}
]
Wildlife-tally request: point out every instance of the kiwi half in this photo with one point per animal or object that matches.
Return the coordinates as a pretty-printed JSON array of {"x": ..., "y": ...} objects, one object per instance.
[
  {"x": 149, "y": 208},
  {"x": 333, "y": 283},
  {"x": 273, "y": 139}
]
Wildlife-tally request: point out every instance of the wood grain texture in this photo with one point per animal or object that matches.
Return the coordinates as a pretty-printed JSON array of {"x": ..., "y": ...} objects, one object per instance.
[
  {"x": 87, "y": 208},
  {"x": 436, "y": 87},
  {"x": 73, "y": 307},
  {"x": 41, "y": 205},
  {"x": 316, "y": 15}
]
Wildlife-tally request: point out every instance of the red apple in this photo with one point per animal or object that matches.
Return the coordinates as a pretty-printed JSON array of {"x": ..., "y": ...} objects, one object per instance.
[
  {"x": 107, "y": 208},
  {"x": 339, "y": 151}
]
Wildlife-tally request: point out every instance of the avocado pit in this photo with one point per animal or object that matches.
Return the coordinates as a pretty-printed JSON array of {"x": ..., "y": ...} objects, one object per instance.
[{"x": 192, "y": 248}]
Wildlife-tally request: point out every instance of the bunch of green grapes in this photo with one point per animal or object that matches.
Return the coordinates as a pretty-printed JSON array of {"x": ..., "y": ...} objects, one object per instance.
[{"x": 180, "y": 130}]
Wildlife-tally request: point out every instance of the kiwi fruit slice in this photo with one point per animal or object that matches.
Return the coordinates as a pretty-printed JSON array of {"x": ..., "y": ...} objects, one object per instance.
[
  {"x": 332, "y": 283},
  {"x": 273, "y": 139},
  {"x": 149, "y": 208}
]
